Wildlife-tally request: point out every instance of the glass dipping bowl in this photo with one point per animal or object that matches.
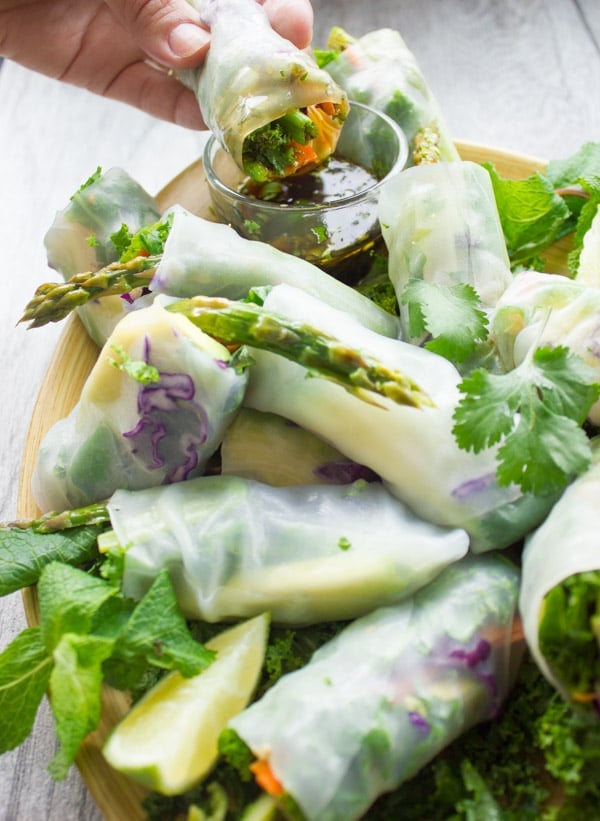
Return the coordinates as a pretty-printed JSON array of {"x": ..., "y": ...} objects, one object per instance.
[{"x": 339, "y": 236}]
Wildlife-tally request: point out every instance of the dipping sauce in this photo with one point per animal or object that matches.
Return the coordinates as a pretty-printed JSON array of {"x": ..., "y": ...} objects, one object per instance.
[
  {"x": 327, "y": 215},
  {"x": 333, "y": 229},
  {"x": 335, "y": 179}
]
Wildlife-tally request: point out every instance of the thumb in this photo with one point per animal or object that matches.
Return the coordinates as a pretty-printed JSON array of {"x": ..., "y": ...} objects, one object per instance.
[{"x": 168, "y": 31}]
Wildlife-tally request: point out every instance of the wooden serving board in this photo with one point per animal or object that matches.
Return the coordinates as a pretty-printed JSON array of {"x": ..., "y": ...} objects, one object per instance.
[{"x": 119, "y": 798}]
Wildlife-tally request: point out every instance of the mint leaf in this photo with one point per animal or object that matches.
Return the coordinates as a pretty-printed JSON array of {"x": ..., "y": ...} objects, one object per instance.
[
  {"x": 24, "y": 553},
  {"x": 69, "y": 599},
  {"x": 24, "y": 675},
  {"x": 156, "y": 635},
  {"x": 451, "y": 314},
  {"x": 535, "y": 411},
  {"x": 76, "y": 685},
  {"x": 532, "y": 214},
  {"x": 584, "y": 221},
  {"x": 583, "y": 163}
]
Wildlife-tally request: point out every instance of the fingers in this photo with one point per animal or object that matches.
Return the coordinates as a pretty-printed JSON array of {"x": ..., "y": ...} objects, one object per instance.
[
  {"x": 169, "y": 31},
  {"x": 156, "y": 93},
  {"x": 293, "y": 19}
]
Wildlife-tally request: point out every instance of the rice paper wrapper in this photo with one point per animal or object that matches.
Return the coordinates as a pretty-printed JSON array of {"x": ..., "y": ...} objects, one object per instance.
[
  {"x": 124, "y": 433},
  {"x": 548, "y": 309},
  {"x": 380, "y": 700},
  {"x": 564, "y": 545},
  {"x": 412, "y": 449},
  {"x": 79, "y": 239},
  {"x": 236, "y": 547},
  {"x": 379, "y": 69},
  {"x": 251, "y": 75},
  {"x": 440, "y": 224},
  {"x": 210, "y": 259}
]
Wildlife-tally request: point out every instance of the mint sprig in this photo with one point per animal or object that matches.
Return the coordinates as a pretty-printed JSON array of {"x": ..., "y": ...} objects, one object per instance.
[{"x": 88, "y": 632}]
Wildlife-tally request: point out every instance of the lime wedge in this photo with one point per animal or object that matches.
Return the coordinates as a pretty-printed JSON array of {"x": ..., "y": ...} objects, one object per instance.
[{"x": 168, "y": 740}]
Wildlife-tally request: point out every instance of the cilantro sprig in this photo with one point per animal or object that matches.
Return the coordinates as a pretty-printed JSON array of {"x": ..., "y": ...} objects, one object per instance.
[
  {"x": 148, "y": 241},
  {"x": 535, "y": 412},
  {"x": 450, "y": 314}
]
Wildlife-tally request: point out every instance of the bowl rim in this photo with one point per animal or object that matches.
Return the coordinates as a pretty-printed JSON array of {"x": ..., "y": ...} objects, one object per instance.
[{"x": 342, "y": 202}]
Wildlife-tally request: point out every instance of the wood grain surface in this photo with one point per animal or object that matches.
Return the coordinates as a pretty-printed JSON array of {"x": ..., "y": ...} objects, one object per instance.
[{"x": 522, "y": 77}]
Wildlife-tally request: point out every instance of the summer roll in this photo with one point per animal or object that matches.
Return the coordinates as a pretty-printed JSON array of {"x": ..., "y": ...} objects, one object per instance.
[
  {"x": 413, "y": 450},
  {"x": 379, "y": 69},
  {"x": 440, "y": 223},
  {"x": 560, "y": 593},
  {"x": 310, "y": 553},
  {"x": 267, "y": 102},
  {"x": 81, "y": 238},
  {"x": 548, "y": 309},
  {"x": 153, "y": 410},
  {"x": 388, "y": 693}
]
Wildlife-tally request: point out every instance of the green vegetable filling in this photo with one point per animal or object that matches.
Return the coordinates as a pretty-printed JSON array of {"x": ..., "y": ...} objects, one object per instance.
[
  {"x": 569, "y": 633},
  {"x": 270, "y": 149}
]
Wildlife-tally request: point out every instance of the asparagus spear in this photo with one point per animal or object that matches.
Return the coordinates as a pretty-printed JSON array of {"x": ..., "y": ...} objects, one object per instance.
[
  {"x": 242, "y": 323},
  {"x": 237, "y": 323},
  {"x": 53, "y": 301},
  {"x": 94, "y": 514}
]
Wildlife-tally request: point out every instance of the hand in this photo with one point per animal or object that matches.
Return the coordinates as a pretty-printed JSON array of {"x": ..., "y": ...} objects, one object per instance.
[{"x": 122, "y": 49}]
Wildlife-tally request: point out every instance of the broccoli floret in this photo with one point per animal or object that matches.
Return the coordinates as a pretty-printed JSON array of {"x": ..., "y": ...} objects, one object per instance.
[{"x": 270, "y": 148}]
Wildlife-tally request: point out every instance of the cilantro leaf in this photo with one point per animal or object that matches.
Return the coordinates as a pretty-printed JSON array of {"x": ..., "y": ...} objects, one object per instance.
[
  {"x": 25, "y": 669},
  {"x": 532, "y": 214},
  {"x": 137, "y": 369},
  {"x": 149, "y": 240},
  {"x": 24, "y": 553},
  {"x": 94, "y": 177},
  {"x": 451, "y": 314},
  {"x": 535, "y": 411}
]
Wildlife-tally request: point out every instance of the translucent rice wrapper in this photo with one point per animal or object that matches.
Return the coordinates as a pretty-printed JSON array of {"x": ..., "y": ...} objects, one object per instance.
[
  {"x": 564, "y": 545},
  {"x": 380, "y": 70},
  {"x": 548, "y": 309},
  {"x": 211, "y": 259},
  {"x": 309, "y": 553},
  {"x": 588, "y": 270},
  {"x": 79, "y": 239},
  {"x": 127, "y": 434},
  {"x": 389, "y": 692},
  {"x": 252, "y": 76},
  {"x": 412, "y": 449},
  {"x": 440, "y": 223}
]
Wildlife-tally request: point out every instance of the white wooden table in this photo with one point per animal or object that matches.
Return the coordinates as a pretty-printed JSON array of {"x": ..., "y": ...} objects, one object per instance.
[{"x": 518, "y": 76}]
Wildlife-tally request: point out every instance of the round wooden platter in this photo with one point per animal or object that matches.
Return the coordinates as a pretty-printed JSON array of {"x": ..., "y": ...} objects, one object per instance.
[{"x": 119, "y": 798}]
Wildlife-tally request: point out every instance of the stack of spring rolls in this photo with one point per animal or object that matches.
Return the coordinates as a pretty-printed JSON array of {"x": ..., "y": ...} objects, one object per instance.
[{"x": 432, "y": 648}]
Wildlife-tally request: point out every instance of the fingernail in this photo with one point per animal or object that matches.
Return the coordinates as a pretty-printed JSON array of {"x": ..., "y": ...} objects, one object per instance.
[{"x": 187, "y": 39}]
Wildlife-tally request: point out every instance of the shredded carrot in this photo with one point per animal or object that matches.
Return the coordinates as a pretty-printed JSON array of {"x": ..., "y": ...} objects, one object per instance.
[
  {"x": 584, "y": 698},
  {"x": 304, "y": 154},
  {"x": 328, "y": 107},
  {"x": 265, "y": 778}
]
